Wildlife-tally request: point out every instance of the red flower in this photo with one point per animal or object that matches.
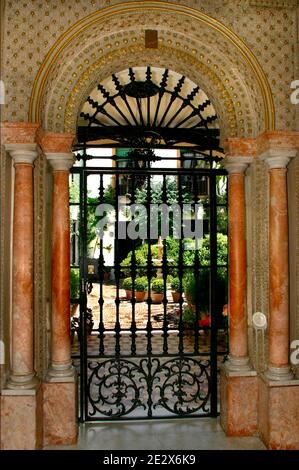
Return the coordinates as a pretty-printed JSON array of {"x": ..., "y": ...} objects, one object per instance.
[{"x": 205, "y": 321}]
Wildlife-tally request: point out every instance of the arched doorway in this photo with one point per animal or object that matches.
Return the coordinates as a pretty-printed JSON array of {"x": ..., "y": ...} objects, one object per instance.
[{"x": 147, "y": 353}]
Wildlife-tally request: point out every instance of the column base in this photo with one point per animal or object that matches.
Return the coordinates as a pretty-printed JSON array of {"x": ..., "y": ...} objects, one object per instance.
[
  {"x": 60, "y": 411},
  {"x": 278, "y": 413},
  {"x": 16, "y": 382},
  {"x": 21, "y": 419},
  {"x": 238, "y": 364},
  {"x": 238, "y": 402},
  {"x": 279, "y": 374},
  {"x": 61, "y": 373}
]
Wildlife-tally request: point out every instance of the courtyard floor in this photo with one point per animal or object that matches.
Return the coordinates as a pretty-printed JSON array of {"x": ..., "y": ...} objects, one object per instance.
[{"x": 194, "y": 434}]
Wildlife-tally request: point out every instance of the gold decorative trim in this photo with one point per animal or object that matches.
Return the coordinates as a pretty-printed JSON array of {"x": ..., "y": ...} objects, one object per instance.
[{"x": 128, "y": 7}]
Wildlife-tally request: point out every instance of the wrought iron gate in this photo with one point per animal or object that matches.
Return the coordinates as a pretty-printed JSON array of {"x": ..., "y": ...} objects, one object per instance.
[{"x": 141, "y": 359}]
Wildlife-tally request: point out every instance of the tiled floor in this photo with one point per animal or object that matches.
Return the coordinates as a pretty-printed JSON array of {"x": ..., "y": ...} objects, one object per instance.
[{"x": 195, "y": 434}]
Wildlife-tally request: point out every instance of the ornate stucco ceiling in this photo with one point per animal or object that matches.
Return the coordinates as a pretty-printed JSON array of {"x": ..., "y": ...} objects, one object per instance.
[{"x": 33, "y": 27}]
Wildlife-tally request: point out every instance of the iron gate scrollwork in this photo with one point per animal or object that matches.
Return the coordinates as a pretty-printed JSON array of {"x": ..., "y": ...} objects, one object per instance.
[{"x": 117, "y": 387}]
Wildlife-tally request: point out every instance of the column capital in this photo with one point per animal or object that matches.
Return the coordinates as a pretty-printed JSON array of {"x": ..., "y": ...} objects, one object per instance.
[
  {"x": 54, "y": 142},
  {"x": 278, "y": 158},
  {"x": 60, "y": 161},
  {"x": 277, "y": 147},
  {"x": 235, "y": 165},
  {"x": 18, "y": 132},
  {"x": 22, "y": 153}
]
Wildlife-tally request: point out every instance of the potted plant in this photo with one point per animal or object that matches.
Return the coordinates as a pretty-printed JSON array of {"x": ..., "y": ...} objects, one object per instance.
[
  {"x": 127, "y": 285},
  {"x": 140, "y": 288},
  {"x": 157, "y": 293},
  {"x": 175, "y": 286}
]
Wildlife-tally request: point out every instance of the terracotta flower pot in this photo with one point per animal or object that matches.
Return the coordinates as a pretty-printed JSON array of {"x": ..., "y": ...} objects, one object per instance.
[
  {"x": 129, "y": 294},
  {"x": 176, "y": 296},
  {"x": 139, "y": 296},
  {"x": 157, "y": 298}
]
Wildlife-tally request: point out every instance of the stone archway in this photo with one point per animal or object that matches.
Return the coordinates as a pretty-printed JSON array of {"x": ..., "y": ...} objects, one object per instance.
[{"x": 113, "y": 38}]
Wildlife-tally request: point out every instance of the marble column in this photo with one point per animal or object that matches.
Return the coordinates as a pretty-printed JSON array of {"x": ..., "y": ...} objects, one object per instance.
[
  {"x": 278, "y": 364},
  {"x": 22, "y": 366},
  {"x": 238, "y": 380},
  {"x": 61, "y": 364},
  {"x": 21, "y": 420},
  {"x": 238, "y": 342},
  {"x": 60, "y": 387},
  {"x": 278, "y": 390}
]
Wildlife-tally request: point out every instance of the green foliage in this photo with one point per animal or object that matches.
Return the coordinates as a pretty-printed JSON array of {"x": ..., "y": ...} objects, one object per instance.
[
  {"x": 158, "y": 286},
  {"x": 92, "y": 218},
  {"x": 196, "y": 288},
  {"x": 175, "y": 284},
  {"x": 75, "y": 283},
  {"x": 141, "y": 254},
  {"x": 74, "y": 191},
  {"x": 141, "y": 284},
  {"x": 109, "y": 195},
  {"x": 173, "y": 246},
  {"x": 127, "y": 283},
  {"x": 188, "y": 316}
]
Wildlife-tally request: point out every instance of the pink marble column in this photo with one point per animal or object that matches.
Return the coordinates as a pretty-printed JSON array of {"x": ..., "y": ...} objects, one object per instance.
[
  {"x": 278, "y": 389},
  {"x": 278, "y": 366},
  {"x": 21, "y": 399},
  {"x": 238, "y": 357},
  {"x": 60, "y": 387},
  {"x": 22, "y": 329},
  {"x": 61, "y": 364},
  {"x": 238, "y": 380}
]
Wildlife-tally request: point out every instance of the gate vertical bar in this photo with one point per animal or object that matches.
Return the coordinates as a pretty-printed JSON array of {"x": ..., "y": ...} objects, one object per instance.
[
  {"x": 101, "y": 265},
  {"x": 164, "y": 271},
  {"x": 83, "y": 299}
]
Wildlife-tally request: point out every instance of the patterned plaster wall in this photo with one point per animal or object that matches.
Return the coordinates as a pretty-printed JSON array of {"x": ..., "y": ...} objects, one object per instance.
[
  {"x": 79, "y": 69},
  {"x": 33, "y": 26}
]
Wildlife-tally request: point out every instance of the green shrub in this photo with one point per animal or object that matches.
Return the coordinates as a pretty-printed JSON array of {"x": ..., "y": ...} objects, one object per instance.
[
  {"x": 175, "y": 284},
  {"x": 188, "y": 316},
  {"x": 127, "y": 283},
  {"x": 75, "y": 283},
  {"x": 196, "y": 288},
  {"x": 158, "y": 286},
  {"x": 141, "y": 255},
  {"x": 141, "y": 284}
]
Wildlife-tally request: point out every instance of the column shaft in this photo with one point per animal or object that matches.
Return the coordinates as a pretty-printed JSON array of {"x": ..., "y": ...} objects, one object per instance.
[
  {"x": 61, "y": 349},
  {"x": 61, "y": 364},
  {"x": 279, "y": 270},
  {"x": 237, "y": 267},
  {"x": 22, "y": 276}
]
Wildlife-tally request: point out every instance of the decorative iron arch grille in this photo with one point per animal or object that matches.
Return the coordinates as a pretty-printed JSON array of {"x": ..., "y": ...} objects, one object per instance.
[{"x": 166, "y": 111}]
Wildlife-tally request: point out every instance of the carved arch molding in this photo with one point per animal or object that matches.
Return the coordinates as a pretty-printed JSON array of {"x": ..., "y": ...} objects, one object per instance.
[{"x": 190, "y": 43}]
